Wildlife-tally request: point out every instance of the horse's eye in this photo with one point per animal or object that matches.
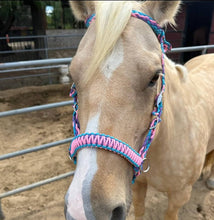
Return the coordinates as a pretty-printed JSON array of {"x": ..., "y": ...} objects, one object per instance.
[{"x": 154, "y": 79}]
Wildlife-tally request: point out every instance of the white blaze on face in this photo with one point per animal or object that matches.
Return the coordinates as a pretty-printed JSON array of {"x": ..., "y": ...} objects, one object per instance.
[
  {"x": 114, "y": 60},
  {"x": 80, "y": 187}
]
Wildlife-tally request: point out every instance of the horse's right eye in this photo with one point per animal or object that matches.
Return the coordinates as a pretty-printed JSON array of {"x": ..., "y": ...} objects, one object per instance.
[{"x": 154, "y": 79}]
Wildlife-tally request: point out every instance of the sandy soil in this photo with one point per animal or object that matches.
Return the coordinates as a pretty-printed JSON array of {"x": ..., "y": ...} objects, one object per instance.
[{"x": 32, "y": 129}]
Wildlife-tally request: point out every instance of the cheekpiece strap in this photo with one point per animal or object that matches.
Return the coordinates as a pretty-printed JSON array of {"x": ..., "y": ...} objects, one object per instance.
[
  {"x": 155, "y": 27},
  {"x": 146, "y": 18},
  {"x": 76, "y": 124}
]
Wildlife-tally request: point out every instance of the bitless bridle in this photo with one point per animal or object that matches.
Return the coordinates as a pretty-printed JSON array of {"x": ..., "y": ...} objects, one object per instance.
[{"x": 106, "y": 142}]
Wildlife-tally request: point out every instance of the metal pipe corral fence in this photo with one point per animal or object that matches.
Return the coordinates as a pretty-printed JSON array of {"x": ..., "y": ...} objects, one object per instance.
[
  {"x": 35, "y": 63},
  {"x": 37, "y": 184},
  {"x": 6, "y": 67},
  {"x": 203, "y": 48},
  {"x": 35, "y": 108},
  {"x": 34, "y": 149}
]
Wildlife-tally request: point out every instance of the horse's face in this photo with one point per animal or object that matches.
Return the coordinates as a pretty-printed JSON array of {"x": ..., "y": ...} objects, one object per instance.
[{"x": 118, "y": 102}]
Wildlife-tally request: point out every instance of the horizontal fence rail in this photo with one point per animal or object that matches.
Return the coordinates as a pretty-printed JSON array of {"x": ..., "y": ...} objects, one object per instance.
[
  {"x": 34, "y": 185},
  {"x": 39, "y": 36},
  {"x": 18, "y": 70},
  {"x": 35, "y": 108},
  {"x": 35, "y": 63},
  {"x": 34, "y": 149},
  {"x": 203, "y": 48},
  {"x": 29, "y": 69}
]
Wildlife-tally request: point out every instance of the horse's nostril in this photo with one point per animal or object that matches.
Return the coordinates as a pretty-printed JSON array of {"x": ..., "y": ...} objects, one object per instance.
[{"x": 118, "y": 213}]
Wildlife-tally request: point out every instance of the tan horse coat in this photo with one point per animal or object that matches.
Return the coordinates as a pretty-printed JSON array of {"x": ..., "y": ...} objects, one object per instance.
[
  {"x": 120, "y": 104},
  {"x": 185, "y": 135}
]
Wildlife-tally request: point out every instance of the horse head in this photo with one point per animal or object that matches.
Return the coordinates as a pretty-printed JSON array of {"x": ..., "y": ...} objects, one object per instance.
[{"x": 117, "y": 71}]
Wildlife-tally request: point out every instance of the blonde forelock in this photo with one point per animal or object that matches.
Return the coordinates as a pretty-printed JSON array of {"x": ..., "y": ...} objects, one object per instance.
[{"x": 111, "y": 20}]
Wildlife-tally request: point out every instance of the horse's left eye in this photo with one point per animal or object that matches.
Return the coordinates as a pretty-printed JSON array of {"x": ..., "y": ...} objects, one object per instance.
[{"x": 154, "y": 79}]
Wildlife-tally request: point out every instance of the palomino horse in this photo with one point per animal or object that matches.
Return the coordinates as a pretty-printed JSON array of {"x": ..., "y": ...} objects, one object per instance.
[{"x": 118, "y": 70}]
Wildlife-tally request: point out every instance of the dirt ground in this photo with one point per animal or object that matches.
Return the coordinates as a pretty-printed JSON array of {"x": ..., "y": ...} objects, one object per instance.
[{"x": 33, "y": 129}]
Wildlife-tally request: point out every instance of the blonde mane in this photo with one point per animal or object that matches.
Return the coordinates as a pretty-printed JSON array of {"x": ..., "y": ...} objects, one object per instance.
[{"x": 111, "y": 20}]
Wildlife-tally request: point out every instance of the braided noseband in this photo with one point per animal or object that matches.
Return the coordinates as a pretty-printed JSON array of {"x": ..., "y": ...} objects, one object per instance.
[{"x": 91, "y": 140}]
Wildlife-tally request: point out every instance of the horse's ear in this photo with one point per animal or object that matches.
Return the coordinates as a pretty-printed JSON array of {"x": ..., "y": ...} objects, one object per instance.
[
  {"x": 163, "y": 11},
  {"x": 82, "y": 9}
]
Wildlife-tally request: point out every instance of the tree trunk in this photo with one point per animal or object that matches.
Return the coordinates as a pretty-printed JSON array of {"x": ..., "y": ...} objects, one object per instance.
[{"x": 39, "y": 25}]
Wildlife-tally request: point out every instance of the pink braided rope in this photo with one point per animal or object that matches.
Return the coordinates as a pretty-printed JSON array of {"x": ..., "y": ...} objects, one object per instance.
[{"x": 108, "y": 143}]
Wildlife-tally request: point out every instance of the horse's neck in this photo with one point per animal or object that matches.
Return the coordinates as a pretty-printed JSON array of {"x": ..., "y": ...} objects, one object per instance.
[
  {"x": 176, "y": 76},
  {"x": 174, "y": 100},
  {"x": 176, "y": 85},
  {"x": 188, "y": 98},
  {"x": 183, "y": 99}
]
